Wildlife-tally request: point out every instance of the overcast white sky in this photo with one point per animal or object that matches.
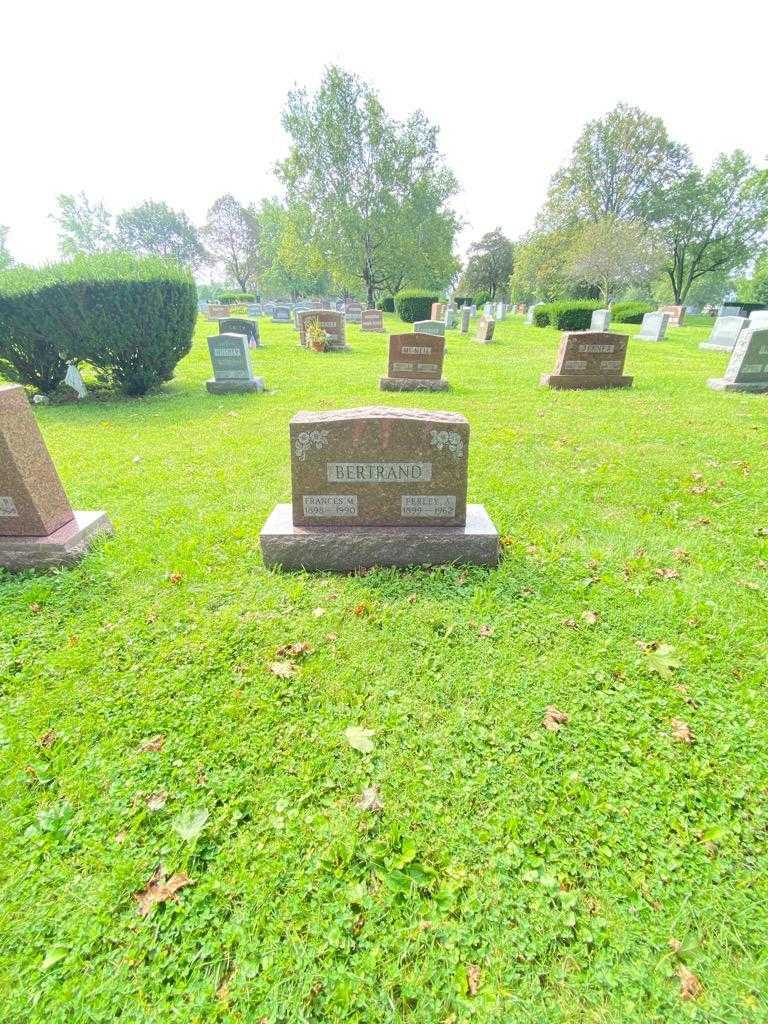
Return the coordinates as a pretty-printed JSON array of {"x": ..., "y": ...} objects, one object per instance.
[{"x": 181, "y": 101}]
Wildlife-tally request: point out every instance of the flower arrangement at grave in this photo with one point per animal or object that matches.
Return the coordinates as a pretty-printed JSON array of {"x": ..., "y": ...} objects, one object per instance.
[{"x": 316, "y": 337}]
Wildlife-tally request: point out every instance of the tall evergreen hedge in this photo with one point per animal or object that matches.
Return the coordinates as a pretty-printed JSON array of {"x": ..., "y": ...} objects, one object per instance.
[
  {"x": 131, "y": 317},
  {"x": 413, "y": 305}
]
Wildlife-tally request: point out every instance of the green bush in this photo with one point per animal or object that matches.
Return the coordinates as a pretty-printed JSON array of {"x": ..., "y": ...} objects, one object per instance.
[
  {"x": 568, "y": 315},
  {"x": 31, "y": 345},
  {"x": 227, "y": 298},
  {"x": 413, "y": 305},
  {"x": 481, "y": 298},
  {"x": 387, "y": 304},
  {"x": 463, "y": 300},
  {"x": 131, "y": 317},
  {"x": 630, "y": 312}
]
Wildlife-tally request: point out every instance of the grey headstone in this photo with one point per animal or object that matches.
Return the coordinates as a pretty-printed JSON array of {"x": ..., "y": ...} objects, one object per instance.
[
  {"x": 748, "y": 366},
  {"x": 653, "y": 327},
  {"x": 429, "y": 327},
  {"x": 465, "y": 314},
  {"x": 601, "y": 320},
  {"x": 231, "y": 363},
  {"x": 725, "y": 333},
  {"x": 236, "y": 325}
]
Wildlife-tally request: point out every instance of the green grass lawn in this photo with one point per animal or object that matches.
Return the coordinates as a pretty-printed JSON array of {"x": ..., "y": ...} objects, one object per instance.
[{"x": 514, "y": 874}]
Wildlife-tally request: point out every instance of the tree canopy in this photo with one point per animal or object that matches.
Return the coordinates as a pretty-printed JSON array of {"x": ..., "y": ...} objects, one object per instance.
[
  {"x": 85, "y": 228},
  {"x": 154, "y": 229},
  {"x": 232, "y": 234},
  {"x": 489, "y": 265}
]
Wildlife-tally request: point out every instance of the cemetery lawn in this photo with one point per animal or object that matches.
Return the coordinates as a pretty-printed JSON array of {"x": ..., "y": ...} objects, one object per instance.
[{"x": 613, "y": 869}]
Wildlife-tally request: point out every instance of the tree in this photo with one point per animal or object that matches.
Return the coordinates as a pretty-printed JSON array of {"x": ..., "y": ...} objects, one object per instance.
[
  {"x": 369, "y": 183},
  {"x": 713, "y": 223},
  {"x": 612, "y": 254},
  {"x": 292, "y": 263},
  {"x": 540, "y": 271},
  {"x": 755, "y": 288},
  {"x": 85, "y": 228},
  {"x": 232, "y": 235},
  {"x": 621, "y": 166},
  {"x": 154, "y": 229},
  {"x": 489, "y": 266},
  {"x": 5, "y": 255}
]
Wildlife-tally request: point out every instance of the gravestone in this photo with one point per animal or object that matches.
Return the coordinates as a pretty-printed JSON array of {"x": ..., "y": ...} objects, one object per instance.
[
  {"x": 484, "y": 330},
  {"x": 676, "y": 314},
  {"x": 465, "y": 313},
  {"x": 748, "y": 366},
  {"x": 601, "y": 320},
  {"x": 473, "y": 310},
  {"x": 254, "y": 309},
  {"x": 354, "y": 312},
  {"x": 38, "y": 528},
  {"x": 590, "y": 359},
  {"x": 758, "y": 320},
  {"x": 438, "y": 311},
  {"x": 488, "y": 310},
  {"x": 372, "y": 320},
  {"x": 234, "y": 325},
  {"x": 430, "y": 327},
  {"x": 231, "y": 361},
  {"x": 216, "y": 311},
  {"x": 531, "y": 310},
  {"x": 692, "y": 310},
  {"x": 501, "y": 311},
  {"x": 729, "y": 311},
  {"x": 653, "y": 327},
  {"x": 725, "y": 333},
  {"x": 378, "y": 486},
  {"x": 450, "y": 319},
  {"x": 281, "y": 315},
  {"x": 333, "y": 324},
  {"x": 415, "y": 363}
]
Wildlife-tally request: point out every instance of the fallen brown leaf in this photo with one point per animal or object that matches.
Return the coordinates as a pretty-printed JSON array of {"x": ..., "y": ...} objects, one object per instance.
[
  {"x": 699, "y": 489},
  {"x": 331, "y": 637},
  {"x": 681, "y": 731},
  {"x": 47, "y": 739},
  {"x": 690, "y": 986},
  {"x": 159, "y": 889},
  {"x": 370, "y": 800},
  {"x": 590, "y": 617},
  {"x": 571, "y": 623},
  {"x": 296, "y": 650},
  {"x": 360, "y": 609},
  {"x": 120, "y": 837},
  {"x": 682, "y": 555},
  {"x": 667, "y": 573},
  {"x": 282, "y": 669},
  {"x": 473, "y": 979},
  {"x": 675, "y": 945},
  {"x": 35, "y": 608},
  {"x": 175, "y": 577},
  {"x": 554, "y": 719},
  {"x": 486, "y": 630},
  {"x": 152, "y": 745},
  {"x": 157, "y": 801},
  {"x": 412, "y": 599}
]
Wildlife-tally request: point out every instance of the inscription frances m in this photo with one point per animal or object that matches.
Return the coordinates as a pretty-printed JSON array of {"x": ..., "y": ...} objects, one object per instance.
[
  {"x": 379, "y": 472},
  {"x": 330, "y": 505}
]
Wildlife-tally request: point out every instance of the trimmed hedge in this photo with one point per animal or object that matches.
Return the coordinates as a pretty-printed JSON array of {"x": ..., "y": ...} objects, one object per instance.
[
  {"x": 573, "y": 315},
  {"x": 387, "y": 304},
  {"x": 630, "y": 312},
  {"x": 132, "y": 318},
  {"x": 463, "y": 300},
  {"x": 413, "y": 305},
  {"x": 227, "y": 298}
]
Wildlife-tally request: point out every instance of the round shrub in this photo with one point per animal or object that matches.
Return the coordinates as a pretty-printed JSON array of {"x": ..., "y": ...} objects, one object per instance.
[
  {"x": 413, "y": 305},
  {"x": 387, "y": 304},
  {"x": 31, "y": 345},
  {"x": 568, "y": 315},
  {"x": 131, "y": 317},
  {"x": 630, "y": 312},
  {"x": 541, "y": 315}
]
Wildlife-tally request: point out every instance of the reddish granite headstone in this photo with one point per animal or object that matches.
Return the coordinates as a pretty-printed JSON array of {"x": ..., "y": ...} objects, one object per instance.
[
  {"x": 676, "y": 314},
  {"x": 216, "y": 311},
  {"x": 415, "y": 363},
  {"x": 372, "y": 320},
  {"x": 590, "y": 359},
  {"x": 332, "y": 323}
]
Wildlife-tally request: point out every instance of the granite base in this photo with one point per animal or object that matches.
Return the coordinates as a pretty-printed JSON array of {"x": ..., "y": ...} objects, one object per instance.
[
  {"x": 583, "y": 382},
  {"x": 400, "y": 384},
  {"x": 65, "y": 546},
  {"x": 709, "y": 346},
  {"x": 754, "y": 388},
  {"x": 346, "y": 548},
  {"x": 234, "y": 387}
]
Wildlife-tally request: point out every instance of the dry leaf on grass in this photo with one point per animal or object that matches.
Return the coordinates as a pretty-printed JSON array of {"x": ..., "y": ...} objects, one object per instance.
[
  {"x": 681, "y": 731},
  {"x": 296, "y": 650},
  {"x": 370, "y": 800},
  {"x": 675, "y": 945},
  {"x": 473, "y": 979},
  {"x": 570, "y": 623},
  {"x": 159, "y": 889},
  {"x": 360, "y": 609},
  {"x": 175, "y": 577},
  {"x": 282, "y": 669},
  {"x": 682, "y": 555},
  {"x": 554, "y": 719},
  {"x": 152, "y": 745},
  {"x": 47, "y": 739},
  {"x": 690, "y": 986},
  {"x": 157, "y": 801},
  {"x": 486, "y": 630},
  {"x": 667, "y": 573},
  {"x": 590, "y": 617},
  {"x": 35, "y": 608}
]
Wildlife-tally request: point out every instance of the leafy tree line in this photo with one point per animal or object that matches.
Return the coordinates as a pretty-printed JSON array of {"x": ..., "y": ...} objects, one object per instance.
[{"x": 631, "y": 213}]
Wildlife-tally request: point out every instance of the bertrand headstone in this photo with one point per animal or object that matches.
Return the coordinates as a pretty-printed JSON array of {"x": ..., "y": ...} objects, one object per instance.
[
  {"x": 590, "y": 359},
  {"x": 725, "y": 333},
  {"x": 378, "y": 486},
  {"x": 653, "y": 327},
  {"x": 748, "y": 366},
  {"x": 430, "y": 327},
  {"x": 484, "y": 331},
  {"x": 415, "y": 363},
  {"x": 465, "y": 320},
  {"x": 38, "y": 528},
  {"x": 601, "y": 320},
  {"x": 231, "y": 361},
  {"x": 234, "y": 325},
  {"x": 372, "y": 320},
  {"x": 676, "y": 314}
]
